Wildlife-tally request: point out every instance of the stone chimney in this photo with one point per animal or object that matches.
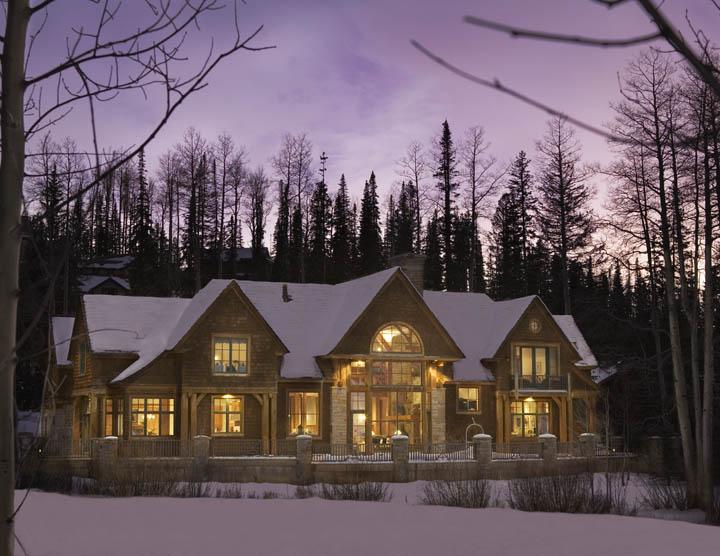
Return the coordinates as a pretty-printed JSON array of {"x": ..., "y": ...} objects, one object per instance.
[{"x": 413, "y": 265}]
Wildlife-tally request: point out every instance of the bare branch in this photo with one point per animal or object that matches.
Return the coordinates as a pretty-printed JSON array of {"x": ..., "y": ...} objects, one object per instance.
[
  {"x": 495, "y": 84},
  {"x": 516, "y": 32}
]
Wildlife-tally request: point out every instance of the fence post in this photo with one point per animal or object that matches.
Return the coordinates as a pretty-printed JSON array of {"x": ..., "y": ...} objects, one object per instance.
[
  {"x": 655, "y": 454},
  {"x": 201, "y": 455},
  {"x": 482, "y": 446},
  {"x": 588, "y": 445},
  {"x": 303, "y": 445},
  {"x": 401, "y": 458},
  {"x": 548, "y": 447},
  {"x": 104, "y": 456}
]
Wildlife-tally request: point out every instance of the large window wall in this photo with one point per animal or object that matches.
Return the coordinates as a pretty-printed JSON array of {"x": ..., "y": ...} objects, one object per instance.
[{"x": 386, "y": 389}]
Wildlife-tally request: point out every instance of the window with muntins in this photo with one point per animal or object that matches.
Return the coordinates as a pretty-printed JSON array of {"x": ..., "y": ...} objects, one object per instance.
[
  {"x": 229, "y": 415},
  {"x": 230, "y": 355},
  {"x": 468, "y": 400},
  {"x": 152, "y": 416},
  {"x": 536, "y": 362},
  {"x": 304, "y": 413},
  {"x": 529, "y": 418},
  {"x": 396, "y": 338},
  {"x": 82, "y": 356}
]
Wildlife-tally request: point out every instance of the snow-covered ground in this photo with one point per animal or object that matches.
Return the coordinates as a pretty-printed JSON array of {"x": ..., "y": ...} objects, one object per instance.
[{"x": 60, "y": 525}]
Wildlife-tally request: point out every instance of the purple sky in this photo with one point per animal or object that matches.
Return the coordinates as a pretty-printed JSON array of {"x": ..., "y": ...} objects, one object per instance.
[{"x": 345, "y": 73}]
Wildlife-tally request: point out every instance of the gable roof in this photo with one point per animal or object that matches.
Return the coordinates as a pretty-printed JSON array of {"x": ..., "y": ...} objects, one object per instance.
[
  {"x": 570, "y": 328},
  {"x": 62, "y": 329},
  {"x": 311, "y": 324},
  {"x": 478, "y": 325},
  {"x": 90, "y": 282}
]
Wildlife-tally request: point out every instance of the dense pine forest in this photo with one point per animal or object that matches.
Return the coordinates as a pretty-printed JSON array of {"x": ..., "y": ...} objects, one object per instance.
[{"x": 533, "y": 225}]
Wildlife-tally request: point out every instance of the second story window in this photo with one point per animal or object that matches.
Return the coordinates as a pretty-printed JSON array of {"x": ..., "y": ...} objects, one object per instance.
[
  {"x": 230, "y": 355},
  {"x": 536, "y": 362}
]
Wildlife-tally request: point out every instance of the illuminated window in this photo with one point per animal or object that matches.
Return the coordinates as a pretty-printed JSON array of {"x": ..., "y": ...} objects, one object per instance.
[
  {"x": 228, "y": 415},
  {"x": 388, "y": 373},
  {"x": 152, "y": 416},
  {"x": 396, "y": 338},
  {"x": 357, "y": 373},
  {"x": 230, "y": 355},
  {"x": 529, "y": 418},
  {"x": 303, "y": 413},
  {"x": 468, "y": 400},
  {"x": 536, "y": 362},
  {"x": 396, "y": 413},
  {"x": 113, "y": 417},
  {"x": 359, "y": 417}
]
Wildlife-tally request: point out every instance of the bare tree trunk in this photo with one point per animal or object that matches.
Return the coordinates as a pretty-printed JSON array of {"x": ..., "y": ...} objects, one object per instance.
[{"x": 12, "y": 168}]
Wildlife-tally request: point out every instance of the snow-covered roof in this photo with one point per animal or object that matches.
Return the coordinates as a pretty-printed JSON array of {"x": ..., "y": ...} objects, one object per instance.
[
  {"x": 327, "y": 310},
  {"x": 89, "y": 282},
  {"x": 310, "y": 325},
  {"x": 478, "y": 325},
  {"x": 110, "y": 263},
  {"x": 570, "y": 328},
  {"x": 601, "y": 374},
  {"x": 62, "y": 328}
]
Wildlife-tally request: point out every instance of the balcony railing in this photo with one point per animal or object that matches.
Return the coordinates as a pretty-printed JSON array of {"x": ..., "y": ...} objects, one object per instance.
[{"x": 535, "y": 382}]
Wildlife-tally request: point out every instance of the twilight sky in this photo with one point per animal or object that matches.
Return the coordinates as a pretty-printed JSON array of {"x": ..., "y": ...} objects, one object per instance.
[{"x": 344, "y": 72}]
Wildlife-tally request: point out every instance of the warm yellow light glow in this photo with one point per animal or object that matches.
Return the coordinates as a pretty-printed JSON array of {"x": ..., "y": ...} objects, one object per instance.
[
  {"x": 362, "y": 418},
  {"x": 389, "y": 333},
  {"x": 530, "y": 399},
  {"x": 398, "y": 431},
  {"x": 227, "y": 396},
  {"x": 217, "y": 357},
  {"x": 358, "y": 363}
]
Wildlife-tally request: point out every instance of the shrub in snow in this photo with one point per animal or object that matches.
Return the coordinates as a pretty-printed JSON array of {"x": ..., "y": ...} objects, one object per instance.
[
  {"x": 464, "y": 494},
  {"x": 369, "y": 492},
  {"x": 664, "y": 493},
  {"x": 302, "y": 492},
  {"x": 557, "y": 493}
]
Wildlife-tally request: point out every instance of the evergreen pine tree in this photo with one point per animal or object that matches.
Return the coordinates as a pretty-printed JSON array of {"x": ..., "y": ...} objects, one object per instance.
[
  {"x": 433, "y": 256},
  {"x": 390, "y": 238},
  {"x": 370, "y": 252},
  {"x": 296, "y": 246},
  {"x": 405, "y": 220},
  {"x": 341, "y": 248},
  {"x": 447, "y": 184},
  {"x": 281, "y": 263},
  {"x": 320, "y": 231},
  {"x": 507, "y": 249},
  {"x": 520, "y": 187}
]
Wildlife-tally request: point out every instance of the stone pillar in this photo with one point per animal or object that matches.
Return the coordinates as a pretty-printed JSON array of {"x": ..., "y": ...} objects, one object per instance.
[
  {"x": 482, "y": 446},
  {"x": 548, "y": 447},
  {"x": 303, "y": 445},
  {"x": 401, "y": 458},
  {"x": 104, "y": 457},
  {"x": 338, "y": 415},
  {"x": 588, "y": 444},
  {"x": 437, "y": 415}
]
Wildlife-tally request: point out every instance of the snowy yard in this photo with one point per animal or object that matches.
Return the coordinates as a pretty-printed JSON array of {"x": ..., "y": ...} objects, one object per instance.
[{"x": 60, "y": 525}]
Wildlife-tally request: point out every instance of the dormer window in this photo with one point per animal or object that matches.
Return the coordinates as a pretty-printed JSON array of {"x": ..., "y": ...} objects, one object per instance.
[{"x": 230, "y": 355}]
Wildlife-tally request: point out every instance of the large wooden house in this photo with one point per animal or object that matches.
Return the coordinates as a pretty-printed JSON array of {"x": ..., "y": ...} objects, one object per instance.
[{"x": 352, "y": 363}]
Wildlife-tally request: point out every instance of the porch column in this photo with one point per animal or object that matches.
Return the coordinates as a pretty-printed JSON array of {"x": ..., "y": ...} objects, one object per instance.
[
  {"x": 272, "y": 411},
  {"x": 193, "y": 415},
  {"x": 265, "y": 425},
  {"x": 94, "y": 416},
  {"x": 507, "y": 418},
  {"x": 184, "y": 425},
  {"x": 499, "y": 421},
  {"x": 571, "y": 420},
  {"x": 437, "y": 415},
  {"x": 338, "y": 415}
]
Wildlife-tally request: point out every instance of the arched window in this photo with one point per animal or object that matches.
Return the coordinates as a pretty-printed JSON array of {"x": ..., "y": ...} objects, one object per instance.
[{"x": 396, "y": 338}]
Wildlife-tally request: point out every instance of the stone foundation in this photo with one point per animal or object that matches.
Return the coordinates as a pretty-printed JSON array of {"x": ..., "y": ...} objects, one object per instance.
[
  {"x": 338, "y": 415},
  {"x": 437, "y": 415}
]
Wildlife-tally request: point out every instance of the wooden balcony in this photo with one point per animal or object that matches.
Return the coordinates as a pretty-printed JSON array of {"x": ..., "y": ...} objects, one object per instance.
[{"x": 530, "y": 383}]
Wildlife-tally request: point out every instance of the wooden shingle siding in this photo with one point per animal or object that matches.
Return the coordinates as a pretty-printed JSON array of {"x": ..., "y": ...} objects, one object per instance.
[
  {"x": 398, "y": 302},
  {"x": 229, "y": 314}
]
